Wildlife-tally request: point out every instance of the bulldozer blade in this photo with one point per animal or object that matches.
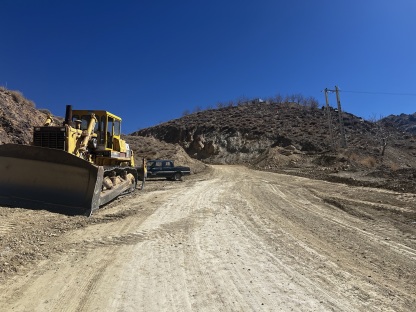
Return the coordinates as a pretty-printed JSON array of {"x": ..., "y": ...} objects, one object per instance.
[{"x": 41, "y": 178}]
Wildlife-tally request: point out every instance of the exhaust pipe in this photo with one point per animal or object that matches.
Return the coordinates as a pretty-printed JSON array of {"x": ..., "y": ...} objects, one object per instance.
[{"x": 68, "y": 115}]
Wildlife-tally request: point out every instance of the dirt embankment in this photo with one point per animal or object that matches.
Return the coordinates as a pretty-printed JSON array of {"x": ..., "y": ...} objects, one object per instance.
[{"x": 229, "y": 239}]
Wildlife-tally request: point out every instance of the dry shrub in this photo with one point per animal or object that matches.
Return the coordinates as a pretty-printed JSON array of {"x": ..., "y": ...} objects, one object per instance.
[
  {"x": 368, "y": 161},
  {"x": 45, "y": 111},
  {"x": 394, "y": 167},
  {"x": 17, "y": 96},
  {"x": 354, "y": 157}
]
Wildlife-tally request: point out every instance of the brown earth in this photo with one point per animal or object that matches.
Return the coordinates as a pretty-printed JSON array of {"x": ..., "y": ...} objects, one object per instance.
[
  {"x": 228, "y": 239},
  {"x": 151, "y": 148},
  {"x": 18, "y": 116}
]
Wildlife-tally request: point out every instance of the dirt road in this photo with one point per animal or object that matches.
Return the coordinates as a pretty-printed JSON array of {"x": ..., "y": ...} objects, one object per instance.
[{"x": 232, "y": 239}]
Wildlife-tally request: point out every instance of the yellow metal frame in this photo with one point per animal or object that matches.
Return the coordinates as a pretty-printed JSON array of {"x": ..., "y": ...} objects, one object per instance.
[{"x": 109, "y": 139}]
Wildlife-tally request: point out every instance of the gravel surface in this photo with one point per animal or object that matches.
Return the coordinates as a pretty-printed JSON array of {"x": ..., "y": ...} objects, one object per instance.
[{"x": 228, "y": 239}]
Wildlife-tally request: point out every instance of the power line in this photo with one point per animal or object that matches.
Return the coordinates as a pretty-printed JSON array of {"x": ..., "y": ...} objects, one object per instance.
[{"x": 384, "y": 93}]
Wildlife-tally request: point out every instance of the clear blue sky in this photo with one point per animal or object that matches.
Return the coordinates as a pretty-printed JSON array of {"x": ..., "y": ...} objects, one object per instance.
[{"x": 149, "y": 61}]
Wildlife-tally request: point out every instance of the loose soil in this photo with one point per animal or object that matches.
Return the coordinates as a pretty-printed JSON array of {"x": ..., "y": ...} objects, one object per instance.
[{"x": 228, "y": 239}]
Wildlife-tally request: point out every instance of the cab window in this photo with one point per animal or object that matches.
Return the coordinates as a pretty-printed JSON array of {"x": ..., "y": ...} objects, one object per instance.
[
  {"x": 85, "y": 120},
  {"x": 110, "y": 128},
  {"x": 117, "y": 127}
]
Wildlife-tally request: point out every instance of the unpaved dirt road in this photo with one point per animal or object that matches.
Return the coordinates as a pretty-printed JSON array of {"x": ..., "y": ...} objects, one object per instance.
[{"x": 230, "y": 239}]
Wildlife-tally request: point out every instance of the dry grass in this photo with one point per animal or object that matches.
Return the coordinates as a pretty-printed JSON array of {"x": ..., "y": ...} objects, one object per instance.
[
  {"x": 18, "y": 97},
  {"x": 369, "y": 162},
  {"x": 394, "y": 166},
  {"x": 353, "y": 157}
]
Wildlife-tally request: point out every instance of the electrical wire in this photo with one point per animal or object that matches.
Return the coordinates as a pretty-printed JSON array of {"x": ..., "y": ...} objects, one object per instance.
[{"x": 384, "y": 93}]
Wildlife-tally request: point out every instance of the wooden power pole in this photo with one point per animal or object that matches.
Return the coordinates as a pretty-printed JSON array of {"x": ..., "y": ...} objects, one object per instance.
[
  {"x": 341, "y": 119},
  {"x": 328, "y": 112}
]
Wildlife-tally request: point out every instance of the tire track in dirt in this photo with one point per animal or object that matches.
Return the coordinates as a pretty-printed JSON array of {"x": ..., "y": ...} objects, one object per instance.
[
  {"x": 240, "y": 240},
  {"x": 296, "y": 199},
  {"x": 250, "y": 219},
  {"x": 6, "y": 227},
  {"x": 86, "y": 285},
  {"x": 345, "y": 220}
]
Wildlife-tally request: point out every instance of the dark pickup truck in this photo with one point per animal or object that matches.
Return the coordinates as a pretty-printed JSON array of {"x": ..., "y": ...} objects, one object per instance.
[{"x": 166, "y": 169}]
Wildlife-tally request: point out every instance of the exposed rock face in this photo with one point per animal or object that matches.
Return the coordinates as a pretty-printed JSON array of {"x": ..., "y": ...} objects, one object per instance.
[
  {"x": 241, "y": 134},
  {"x": 18, "y": 116}
]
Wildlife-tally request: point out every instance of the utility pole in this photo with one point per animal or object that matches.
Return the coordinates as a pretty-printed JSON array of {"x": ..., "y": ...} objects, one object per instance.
[
  {"x": 328, "y": 112},
  {"x": 341, "y": 120}
]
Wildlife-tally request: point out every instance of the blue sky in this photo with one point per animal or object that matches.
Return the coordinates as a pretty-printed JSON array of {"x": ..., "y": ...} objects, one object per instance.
[{"x": 150, "y": 61}]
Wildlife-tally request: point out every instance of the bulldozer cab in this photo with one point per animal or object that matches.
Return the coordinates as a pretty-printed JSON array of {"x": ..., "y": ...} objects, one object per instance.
[{"x": 107, "y": 129}]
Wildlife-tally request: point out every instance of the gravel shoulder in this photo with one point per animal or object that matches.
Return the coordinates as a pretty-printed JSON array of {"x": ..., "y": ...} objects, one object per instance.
[{"x": 228, "y": 239}]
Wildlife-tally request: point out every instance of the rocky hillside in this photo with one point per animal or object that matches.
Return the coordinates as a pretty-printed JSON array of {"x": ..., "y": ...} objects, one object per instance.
[
  {"x": 18, "y": 116},
  {"x": 296, "y": 139},
  {"x": 240, "y": 134},
  {"x": 403, "y": 122}
]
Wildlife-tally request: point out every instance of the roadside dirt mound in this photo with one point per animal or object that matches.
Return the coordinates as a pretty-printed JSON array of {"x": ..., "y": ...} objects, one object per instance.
[
  {"x": 393, "y": 171},
  {"x": 152, "y": 148}
]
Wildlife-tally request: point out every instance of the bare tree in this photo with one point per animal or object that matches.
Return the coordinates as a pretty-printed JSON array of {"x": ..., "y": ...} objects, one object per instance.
[
  {"x": 242, "y": 100},
  {"x": 312, "y": 102},
  {"x": 382, "y": 132},
  {"x": 278, "y": 98},
  {"x": 299, "y": 98}
]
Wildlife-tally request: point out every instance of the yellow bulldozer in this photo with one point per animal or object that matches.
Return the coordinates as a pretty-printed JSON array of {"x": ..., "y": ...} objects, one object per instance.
[{"x": 80, "y": 164}]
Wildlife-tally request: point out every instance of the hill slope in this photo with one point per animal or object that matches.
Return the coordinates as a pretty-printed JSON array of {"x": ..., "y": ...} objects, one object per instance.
[
  {"x": 403, "y": 122},
  {"x": 240, "y": 134},
  {"x": 18, "y": 116},
  {"x": 296, "y": 139}
]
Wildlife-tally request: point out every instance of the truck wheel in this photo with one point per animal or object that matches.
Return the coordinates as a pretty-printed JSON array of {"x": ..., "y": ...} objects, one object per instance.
[{"x": 177, "y": 176}]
